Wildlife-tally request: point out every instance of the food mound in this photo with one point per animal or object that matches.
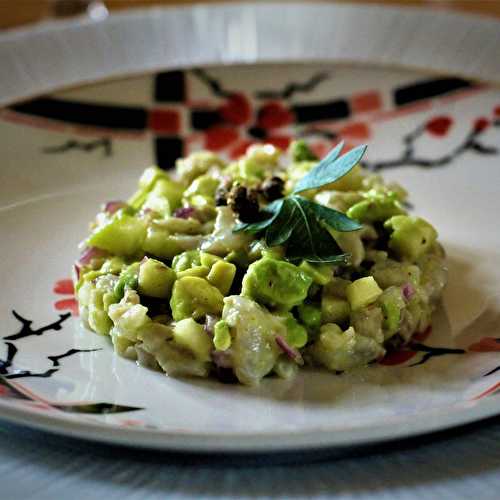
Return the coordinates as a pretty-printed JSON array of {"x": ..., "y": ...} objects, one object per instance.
[{"x": 260, "y": 266}]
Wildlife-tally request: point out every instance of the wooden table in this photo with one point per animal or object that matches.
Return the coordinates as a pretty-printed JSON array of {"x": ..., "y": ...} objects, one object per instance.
[{"x": 18, "y": 12}]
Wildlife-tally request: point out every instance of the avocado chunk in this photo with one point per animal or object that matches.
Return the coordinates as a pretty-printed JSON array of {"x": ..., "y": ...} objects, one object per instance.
[
  {"x": 392, "y": 304},
  {"x": 412, "y": 237},
  {"x": 146, "y": 183},
  {"x": 393, "y": 273},
  {"x": 155, "y": 279},
  {"x": 222, "y": 336},
  {"x": 191, "y": 335},
  {"x": 194, "y": 297},
  {"x": 334, "y": 309},
  {"x": 310, "y": 315},
  {"x": 197, "y": 164},
  {"x": 186, "y": 260},
  {"x": 362, "y": 292},
  {"x": 128, "y": 280},
  {"x": 160, "y": 243},
  {"x": 276, "y": 283},
  {"x": 377, "y": 207},
  {"x": 367, "y": 321},
  {"x": 320, "y": 273},
  {"x": 199, "y": 271},
  {"x": 165, "y": 197},
  {"x": 340, "y": 351},
  {"x": 300, "y": 151},
  {"x": 205, "y": 186},
  {"x": 121, "y": 235},
  {"x": 296, "y": 334}
]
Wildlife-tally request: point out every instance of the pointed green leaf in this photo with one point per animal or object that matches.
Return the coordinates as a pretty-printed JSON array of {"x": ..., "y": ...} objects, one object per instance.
[
  {"x": 285, "y": 222},
  {"x": 330, "y": 169},
  {"x": 333, "y": 218},
  {"x": 273, "y": 209}
]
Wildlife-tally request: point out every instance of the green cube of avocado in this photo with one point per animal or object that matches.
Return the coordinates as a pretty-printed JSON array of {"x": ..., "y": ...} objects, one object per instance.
[
  {"x": 194, "y": 297},
  {"x": 190, "y": 335},
  {"x": 363, "y": 292},
  {"x": 411, "y": 238},
  {"x": 334, "y": 309},
  {"x": 276, "y": 283},
  {"x": 222, "y": 275},
  {"x": 155, "y": 279},
  {"x": 122, "y": 235}
]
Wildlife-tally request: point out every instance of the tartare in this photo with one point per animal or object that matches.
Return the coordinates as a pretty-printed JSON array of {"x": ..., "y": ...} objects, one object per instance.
[{"x": 260, "y": 266}]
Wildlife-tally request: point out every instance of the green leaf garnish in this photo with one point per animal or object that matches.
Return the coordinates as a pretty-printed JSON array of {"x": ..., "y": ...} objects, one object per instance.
[
  {"x": 331, "y": 168},
  {"x": 303, "y": 225}
]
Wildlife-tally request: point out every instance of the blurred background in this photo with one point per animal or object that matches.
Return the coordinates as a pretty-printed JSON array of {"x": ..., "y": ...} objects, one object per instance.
[{"x": 15, "y": 13}]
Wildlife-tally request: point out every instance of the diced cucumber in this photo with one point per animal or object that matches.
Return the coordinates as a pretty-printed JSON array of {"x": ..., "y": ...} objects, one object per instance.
[
  {"x": 334, "y": 309},
  {"x": 114, "y": 265},
  {"x": 339, "y": 351},
  {"x": 158, "y": 184},
  {"x": 122, "y": 235},
  {"x": 222, "y": 275},
  {"x": 393, "y": 273},
  {"x": 412, "y": 237},
  {"x": 161, "y": 243},
  {"x": 362, "y": 292},
  {"x": 177, "y": 225},
  {"x": 146, "y": 183},
  {"x": 368, "y": 321},
  {"x": 392, "y": 303},
  {"x": 320, "y": 273},
  {"x": 337, "y": 287},
  {"x": 205, "y": 186}
]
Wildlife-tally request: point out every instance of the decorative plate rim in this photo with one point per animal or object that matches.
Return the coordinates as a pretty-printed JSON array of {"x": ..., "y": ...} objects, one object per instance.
[
  {"x": 37, "y": 60},
  {"x": 321, "y": 438}
]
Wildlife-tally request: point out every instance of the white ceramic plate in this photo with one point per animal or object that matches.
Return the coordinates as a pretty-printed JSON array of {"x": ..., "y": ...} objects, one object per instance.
[{"x": 64, "y": 155}]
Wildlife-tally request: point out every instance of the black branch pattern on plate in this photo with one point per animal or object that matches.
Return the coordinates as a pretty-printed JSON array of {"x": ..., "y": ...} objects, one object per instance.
[
  {"x": 104, "y": 143},
  {"x": 27, "y": 330},
  {"x": 286, "y": 92},
  {"x": 8, "y": 372},
  {"x": 431, "y": 352},
  {"x": 438, "y": 126},
  {"x": 294, "y": 87}
]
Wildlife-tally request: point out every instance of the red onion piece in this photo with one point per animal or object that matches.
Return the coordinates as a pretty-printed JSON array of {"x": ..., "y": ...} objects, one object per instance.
[
  {"x": 91, "y": 253},
  {"x": 113, "y": 206},
  {"x": 210, "y": 324},
  {"x": 408, "y": 291},
  {"x": 76, "y": 271},
  {"x": 290, "y": 351},
  {"x": 184, "y": 212},
  {"x": 222, "y": 359}
]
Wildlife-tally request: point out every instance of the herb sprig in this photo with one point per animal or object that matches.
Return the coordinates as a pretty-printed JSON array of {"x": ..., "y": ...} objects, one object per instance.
[{"x": 304, "y": 226}]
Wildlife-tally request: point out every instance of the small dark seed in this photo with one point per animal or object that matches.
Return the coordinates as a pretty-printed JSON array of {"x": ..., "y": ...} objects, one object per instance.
[
  {"x": 244, "y": 203},
  {"x": 221, "y": 197},
  {"x": 272, "y": 188}
]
